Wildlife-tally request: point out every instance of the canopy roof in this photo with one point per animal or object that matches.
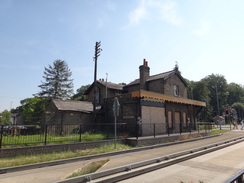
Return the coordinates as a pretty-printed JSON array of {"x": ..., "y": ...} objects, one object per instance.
[{"x": 163, "y": 98}]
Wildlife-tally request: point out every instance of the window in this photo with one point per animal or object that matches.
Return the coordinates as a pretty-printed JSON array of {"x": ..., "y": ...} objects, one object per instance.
[{"x": 176, "y": 90}]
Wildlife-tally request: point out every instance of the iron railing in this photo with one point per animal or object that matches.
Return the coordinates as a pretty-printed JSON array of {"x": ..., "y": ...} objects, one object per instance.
[
  {"x": 238, "y": 178},
  {"x": 25, "y": 135}
]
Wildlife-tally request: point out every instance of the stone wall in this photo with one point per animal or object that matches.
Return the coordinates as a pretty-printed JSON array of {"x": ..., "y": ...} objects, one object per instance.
[
  {"x": 169, "y": 86},
  {"x": 156, "y": 86},
  {"x": 159, "y": 140},
  {"x": 46, "y": 149}
]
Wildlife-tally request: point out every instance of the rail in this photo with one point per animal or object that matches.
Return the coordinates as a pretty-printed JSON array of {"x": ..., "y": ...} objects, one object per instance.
[
  {"x": 132, "y": 170},
  {"x": 238, "y": 178}
]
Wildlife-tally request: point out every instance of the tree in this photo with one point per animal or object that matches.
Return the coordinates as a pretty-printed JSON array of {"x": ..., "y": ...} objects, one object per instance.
[
  {"x": 57, "y": 83},
  {"x": 235, "y": 93},
  {"x": 199, "y": 91},
  {"x": 217, "y": 86},
  {"x": 5, "y": 118},
  {"x": 32, "y": 109},
  {"x": 80, "y": 93}
]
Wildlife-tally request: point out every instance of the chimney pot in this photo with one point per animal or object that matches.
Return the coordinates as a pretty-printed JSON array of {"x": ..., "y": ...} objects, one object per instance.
[{"x": 144, "y": 61}]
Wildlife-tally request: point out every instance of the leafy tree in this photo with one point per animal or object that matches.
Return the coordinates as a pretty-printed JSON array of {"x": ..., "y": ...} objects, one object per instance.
[
  {"x": 5, "y": 117},
  {"x": 199, "y": 91},
  {"x": 235, "y": 93},
  {"x": 32, "y": 109},
  {"x": 80, "y": 93},
  {"x": 57, "y": 81},
  {"x": 239, "y": 107},
  {"x": 217, "y": 86}
]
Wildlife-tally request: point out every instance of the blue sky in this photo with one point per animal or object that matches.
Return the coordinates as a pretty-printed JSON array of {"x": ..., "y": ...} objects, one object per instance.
[{"x": 203, "y": 36}]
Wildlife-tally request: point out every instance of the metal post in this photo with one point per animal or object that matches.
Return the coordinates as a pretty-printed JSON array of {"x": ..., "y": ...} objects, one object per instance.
[
  {"x": 167, "y": 125},
  {"x": 154, "y": 130},
  {"x": 45, "y": 140},
  {"x": 137, "y": 129},
  {"x": 180, "y": 128},
  {"x": 116, "y": 106},
  {"x": 115, "y": 131},
  {"x": 1, "y": 139},
  {"x": 80, "y": 133},
  {"x": 217, "y": 97}
]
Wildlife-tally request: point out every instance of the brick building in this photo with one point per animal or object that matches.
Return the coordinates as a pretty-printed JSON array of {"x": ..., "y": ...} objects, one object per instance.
[
  {"x": 67, "y": 112},
  {"x": 104, "y": 90},
  {"x": 157, "y": 101}
]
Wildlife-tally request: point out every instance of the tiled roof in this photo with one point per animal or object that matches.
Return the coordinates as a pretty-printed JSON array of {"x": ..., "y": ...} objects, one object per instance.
[
  {"x": 112, "y": 85},
  {"x": 109, "y": 85},
  {"x": 72, "y": 105},
  {"x": 164, "y": 75}
]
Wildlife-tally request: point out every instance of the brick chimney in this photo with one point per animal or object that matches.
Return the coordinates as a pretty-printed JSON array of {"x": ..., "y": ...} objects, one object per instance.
[{"x": 144, "y": 74}]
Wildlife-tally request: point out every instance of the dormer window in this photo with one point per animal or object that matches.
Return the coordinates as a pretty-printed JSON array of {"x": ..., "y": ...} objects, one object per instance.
[{"x": 176, "y": 90}]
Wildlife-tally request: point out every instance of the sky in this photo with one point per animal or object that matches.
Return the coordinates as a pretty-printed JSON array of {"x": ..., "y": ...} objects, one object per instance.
[{"x": 203, "y": 37}]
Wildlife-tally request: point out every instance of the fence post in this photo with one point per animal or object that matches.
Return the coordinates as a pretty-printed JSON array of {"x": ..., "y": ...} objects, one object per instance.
[
  {"x": 107, "y": 130},
  {"x": 80, "y": 133},
  {"x": 45, "y": 140},
  {"x": 180, "y": 127},
  {"x": 190, "y": 128},
  {"x": 167, "y": 126},
  {"x": 1, "y": 137},
  {"x": 154, "y": 130},
  {"x": 137, "y": 129}
]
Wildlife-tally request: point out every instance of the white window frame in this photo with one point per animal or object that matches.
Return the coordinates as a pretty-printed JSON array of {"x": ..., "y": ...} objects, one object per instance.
[{"x": 176, "y": 90}]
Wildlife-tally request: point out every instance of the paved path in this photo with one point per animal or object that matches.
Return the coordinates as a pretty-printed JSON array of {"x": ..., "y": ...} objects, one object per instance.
[
  {"x": 56, "y": 173},
  {"x": 215, "y": 167}
]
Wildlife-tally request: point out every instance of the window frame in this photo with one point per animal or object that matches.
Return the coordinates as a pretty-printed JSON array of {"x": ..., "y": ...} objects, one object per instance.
[{"x": 176, "y": 90}]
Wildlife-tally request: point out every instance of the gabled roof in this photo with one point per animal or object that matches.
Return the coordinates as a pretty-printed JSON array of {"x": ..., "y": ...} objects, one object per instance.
[
  {"x": 73, "y": 105},
  {"x": 164, "y": 76},
  {"x": 110, "y": 85}
]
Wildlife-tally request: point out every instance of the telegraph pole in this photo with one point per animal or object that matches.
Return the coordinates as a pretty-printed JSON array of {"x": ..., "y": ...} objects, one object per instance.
[{"x": 97, "y": 54}]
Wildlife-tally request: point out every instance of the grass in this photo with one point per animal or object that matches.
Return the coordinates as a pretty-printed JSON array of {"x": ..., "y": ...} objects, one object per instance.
[
  {"x": 89, "y": 168},
  {"x": 23, "y": 160},
  {"x": 25, "y": 140},
  {"x": 217, "y": 132},
  {"x": 30, "y": 159}
]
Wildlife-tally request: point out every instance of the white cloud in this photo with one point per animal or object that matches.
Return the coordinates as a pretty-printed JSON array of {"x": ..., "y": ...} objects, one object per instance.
[
  {"x": 166, "y": 11},
  {"x": 203, "y": 28},
  {"x": 138, "y": 14}
]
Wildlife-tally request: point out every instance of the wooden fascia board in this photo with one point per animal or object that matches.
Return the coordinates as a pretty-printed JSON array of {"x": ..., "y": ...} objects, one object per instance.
[{"x": 158, "y": 96}]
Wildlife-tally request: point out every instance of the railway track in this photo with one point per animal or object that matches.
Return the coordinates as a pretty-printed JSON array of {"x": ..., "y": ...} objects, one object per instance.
[{"x": 136, "y": 169}]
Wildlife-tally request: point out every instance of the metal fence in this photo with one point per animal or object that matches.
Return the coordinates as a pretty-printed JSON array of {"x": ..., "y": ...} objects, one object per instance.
[
  {"x": 25, "y": 135},
  {"x": 238, "y": 178}
]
